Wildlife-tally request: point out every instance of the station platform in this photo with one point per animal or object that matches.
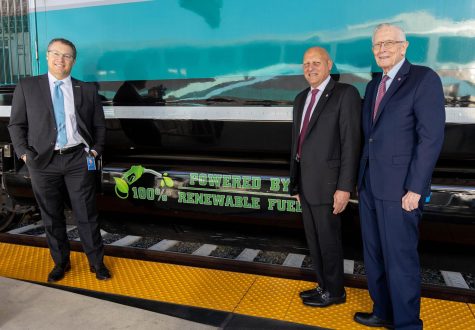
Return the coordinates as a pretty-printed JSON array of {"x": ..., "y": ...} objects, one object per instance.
[
  {"x": 26, "y": 305},
  {"x": 198, "y": 298}
]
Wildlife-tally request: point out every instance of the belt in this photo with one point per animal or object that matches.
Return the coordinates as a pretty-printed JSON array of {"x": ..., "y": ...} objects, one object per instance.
[{"x": 69, "y": 150}]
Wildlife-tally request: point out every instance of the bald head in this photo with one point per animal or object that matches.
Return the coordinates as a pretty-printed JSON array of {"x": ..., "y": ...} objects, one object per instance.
[
  {"x": 322, "y": 52},
  {"x": 316, "y": 66}
]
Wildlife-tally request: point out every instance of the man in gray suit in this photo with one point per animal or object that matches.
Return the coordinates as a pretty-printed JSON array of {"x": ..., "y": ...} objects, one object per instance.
[
  {"x": 325, "y": 151},
  {"x": 57, "y": 128}
]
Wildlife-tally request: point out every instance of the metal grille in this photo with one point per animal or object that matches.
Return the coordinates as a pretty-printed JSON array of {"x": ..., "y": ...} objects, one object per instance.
[{"x": 15, "y": 52}]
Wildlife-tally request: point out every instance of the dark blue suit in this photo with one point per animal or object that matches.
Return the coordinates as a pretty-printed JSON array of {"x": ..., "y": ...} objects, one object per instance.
[{"x": 401, "y": 147}]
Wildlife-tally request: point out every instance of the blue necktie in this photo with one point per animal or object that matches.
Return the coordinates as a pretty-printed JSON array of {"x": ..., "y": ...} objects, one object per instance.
[{"x": 59, "y": 115}]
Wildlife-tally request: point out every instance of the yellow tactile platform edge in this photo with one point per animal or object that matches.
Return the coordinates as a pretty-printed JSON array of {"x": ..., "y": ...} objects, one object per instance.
[
  {"x": 247, "y": 294},
  {"x": 472, "y": 307}
]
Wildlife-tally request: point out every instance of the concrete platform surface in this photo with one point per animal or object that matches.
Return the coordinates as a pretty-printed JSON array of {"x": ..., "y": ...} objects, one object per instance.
[{"x": 28, "y": 306}]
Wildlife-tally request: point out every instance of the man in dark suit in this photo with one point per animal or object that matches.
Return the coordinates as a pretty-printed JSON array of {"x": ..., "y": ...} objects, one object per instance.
[
  {"x": 403, "y": 122},
  {"x": 325, "y": 151},
  {"x": 57, "y": 128}
]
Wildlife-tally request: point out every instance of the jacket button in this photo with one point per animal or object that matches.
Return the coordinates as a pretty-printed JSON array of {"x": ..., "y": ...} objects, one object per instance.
[{"x": 370, "y": 140}]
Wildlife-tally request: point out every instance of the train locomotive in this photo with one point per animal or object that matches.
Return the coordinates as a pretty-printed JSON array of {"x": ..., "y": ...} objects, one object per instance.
[{"x": 198, "y": 96}]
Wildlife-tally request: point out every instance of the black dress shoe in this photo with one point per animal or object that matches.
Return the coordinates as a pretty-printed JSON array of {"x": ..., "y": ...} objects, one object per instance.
[
  {"x": 310, "y": 293},
  {"x": 371, "y": 320},
  {"x": 102, "y": 273},
  {"x": 58, "y": 272},
  {"x": 324, "y": 300}
]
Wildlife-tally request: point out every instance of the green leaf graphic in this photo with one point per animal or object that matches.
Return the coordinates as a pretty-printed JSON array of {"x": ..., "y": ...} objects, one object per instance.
[
  {"x": 121, "y": 188},
  {"x": 168, "y": 181}
]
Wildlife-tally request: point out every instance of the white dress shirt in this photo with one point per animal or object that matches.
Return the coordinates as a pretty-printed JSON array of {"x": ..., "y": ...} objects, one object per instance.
[
  {"x": 320, "y": 88},
  {"x": 74, "y": 138},
  {"x": 392, "y": 73}
]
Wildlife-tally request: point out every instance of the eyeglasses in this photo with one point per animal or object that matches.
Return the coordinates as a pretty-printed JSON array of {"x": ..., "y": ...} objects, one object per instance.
[
  {"x": 388, "y": 44},
  {"x": 57, "y": 54}
]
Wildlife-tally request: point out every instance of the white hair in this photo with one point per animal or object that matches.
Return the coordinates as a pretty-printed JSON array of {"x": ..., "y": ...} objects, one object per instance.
[{"x": 400, "y": 31}]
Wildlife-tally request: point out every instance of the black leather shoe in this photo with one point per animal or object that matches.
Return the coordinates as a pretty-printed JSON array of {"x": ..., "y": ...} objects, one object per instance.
[
  {"x": 58, "y": 272},
  {"x": 324, "y": 300},
  {"x": 102, "y": 273},
  {"x": 371, "y": 320},
  {"x": 310, "y": 293}
]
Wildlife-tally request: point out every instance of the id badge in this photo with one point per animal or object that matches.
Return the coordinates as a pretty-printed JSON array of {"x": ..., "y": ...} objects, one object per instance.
[{"x": 91, "y": 163}]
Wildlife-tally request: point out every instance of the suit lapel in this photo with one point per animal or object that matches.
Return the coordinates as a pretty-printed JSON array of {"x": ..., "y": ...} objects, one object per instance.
[
  {"x": 372, "y": 96},
  {"x": 46, "y": 92},
  {"x": 301, "y": 106},
  {"x": 298, "y": 116},
  {"x": 77, "y": 94},
  {"x": 395, "y": 85},
  {"x": 327, "y": 92}
]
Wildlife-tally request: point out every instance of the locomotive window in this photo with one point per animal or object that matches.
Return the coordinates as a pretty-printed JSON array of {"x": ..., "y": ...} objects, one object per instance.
[{"x": 15, "y": 51}]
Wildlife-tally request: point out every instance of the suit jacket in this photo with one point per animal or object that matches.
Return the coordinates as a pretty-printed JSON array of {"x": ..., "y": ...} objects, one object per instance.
[
  {"x": 404, "y": 142},
  {"x": 32, "y": 125},
  {"x": 331, "y": 148}
]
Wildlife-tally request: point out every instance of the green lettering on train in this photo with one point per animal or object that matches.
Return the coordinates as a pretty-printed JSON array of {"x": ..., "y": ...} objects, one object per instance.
[
  {"x": 283, "y": 205},
  {"x": 234, "y": 201},
  {"x": 225, "y": 181},
  {"x": 279, "y": 184},
  {"x": 209, "y": 189}
]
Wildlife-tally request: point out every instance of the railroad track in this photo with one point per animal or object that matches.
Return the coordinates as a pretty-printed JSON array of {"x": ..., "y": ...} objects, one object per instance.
[{"x": 440, "y": 284}]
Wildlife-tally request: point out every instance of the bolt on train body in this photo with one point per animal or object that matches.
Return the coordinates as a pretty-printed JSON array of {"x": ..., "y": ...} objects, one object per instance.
[{"x": 198, "y": 97}]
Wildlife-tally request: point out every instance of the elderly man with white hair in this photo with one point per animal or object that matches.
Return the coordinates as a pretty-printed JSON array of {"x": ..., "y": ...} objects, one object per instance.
[{"x": 403, "y": 122}]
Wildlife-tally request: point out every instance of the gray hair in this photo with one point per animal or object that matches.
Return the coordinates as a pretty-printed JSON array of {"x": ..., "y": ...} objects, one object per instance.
[{"x": 400, "y": 31}]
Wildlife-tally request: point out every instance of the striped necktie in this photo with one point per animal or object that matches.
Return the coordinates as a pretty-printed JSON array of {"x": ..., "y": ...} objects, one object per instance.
[{"x": 379, "y": 97}]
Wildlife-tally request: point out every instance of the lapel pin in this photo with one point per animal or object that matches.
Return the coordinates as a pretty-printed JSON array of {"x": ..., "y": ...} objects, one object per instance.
[
  {"x": 326, "y": 95},
  {"x": 399, "y": 79}
]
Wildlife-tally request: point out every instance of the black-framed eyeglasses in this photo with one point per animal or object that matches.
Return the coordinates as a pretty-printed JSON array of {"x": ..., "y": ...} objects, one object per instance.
[
  {"x": 57, "y": 54},
  {"x": 388, "y": 44}
]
